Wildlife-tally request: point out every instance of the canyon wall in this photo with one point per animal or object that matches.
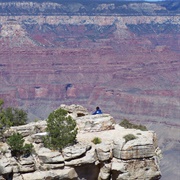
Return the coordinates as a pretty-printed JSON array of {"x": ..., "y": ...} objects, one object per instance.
[{"x": 123, "y": 57}]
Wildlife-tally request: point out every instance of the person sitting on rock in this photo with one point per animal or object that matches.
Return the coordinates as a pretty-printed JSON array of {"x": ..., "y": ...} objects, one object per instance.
[{"x": 98, "y": 111}]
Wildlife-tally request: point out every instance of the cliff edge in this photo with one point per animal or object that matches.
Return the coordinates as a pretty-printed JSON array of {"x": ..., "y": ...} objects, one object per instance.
[{"x": 114, "y": 158}]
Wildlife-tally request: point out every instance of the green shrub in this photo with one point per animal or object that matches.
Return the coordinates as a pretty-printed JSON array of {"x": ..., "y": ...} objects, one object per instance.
[
  {"x": 10, "y": 117},
  {"x": 3, "y": 123},
  {"x": 36, "y": 120},
  {"x": 62, "y": 130},
  {"x": 16, "y": 143},
  {"x": 96, "y": 140},
  {"x": 16, "y": 116},
  {"x": 126, "y": 124},
  {"x": 27, "y": 149},
  {"x": 129, "y": 137}
]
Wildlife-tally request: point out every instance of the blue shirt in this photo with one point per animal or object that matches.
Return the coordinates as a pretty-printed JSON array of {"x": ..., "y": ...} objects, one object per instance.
[{"x": 97, "y": 112}]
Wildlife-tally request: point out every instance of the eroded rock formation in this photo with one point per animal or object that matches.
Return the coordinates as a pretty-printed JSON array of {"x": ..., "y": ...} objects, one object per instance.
[{"x": 114, "y": 158}]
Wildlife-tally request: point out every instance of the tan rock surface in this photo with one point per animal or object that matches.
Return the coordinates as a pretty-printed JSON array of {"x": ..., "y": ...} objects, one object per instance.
[{"x": 113, "y": 157}]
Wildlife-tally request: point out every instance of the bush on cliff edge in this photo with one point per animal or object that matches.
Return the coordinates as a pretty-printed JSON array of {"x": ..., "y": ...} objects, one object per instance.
[
  {"x": 16, "y": 143},
  {"x": 61, "y": 130},
  {"x": 10, "y": 117},
  {"x": 126, "y": 124}
]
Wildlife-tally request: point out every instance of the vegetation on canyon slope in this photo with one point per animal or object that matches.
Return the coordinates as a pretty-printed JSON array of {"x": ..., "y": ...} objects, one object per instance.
[
  {"x": 10, "y": 116},
  {"x": 128, "y": 125},
  {"x": 96, "y": 140},
  {"x": 61, "y": 130},
  {"x": 129, "y": 137},
  {"x": 17, "y": 146}
]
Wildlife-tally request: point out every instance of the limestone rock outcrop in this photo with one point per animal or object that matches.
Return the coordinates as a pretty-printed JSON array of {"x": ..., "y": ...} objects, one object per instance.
[{"x": 114, "y": 158}]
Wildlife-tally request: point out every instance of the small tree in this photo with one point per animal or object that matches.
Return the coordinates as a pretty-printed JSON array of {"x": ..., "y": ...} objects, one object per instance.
[
  {"x": 4, "y": 122},
  {"x": 28, "y": 149},
  {"x": 10, "y": 117},
  {"x": 62, "y": 130},
  {"x": 15, "y": 116},
  {"x": 16, "y": 143}
]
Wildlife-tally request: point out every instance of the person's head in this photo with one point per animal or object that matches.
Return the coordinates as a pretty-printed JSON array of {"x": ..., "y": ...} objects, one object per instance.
[{"x": 97, "y": 108}]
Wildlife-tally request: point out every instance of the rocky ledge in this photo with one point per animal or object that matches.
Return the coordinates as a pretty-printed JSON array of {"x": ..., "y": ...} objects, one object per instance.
[{"x": 114, "y": 158}]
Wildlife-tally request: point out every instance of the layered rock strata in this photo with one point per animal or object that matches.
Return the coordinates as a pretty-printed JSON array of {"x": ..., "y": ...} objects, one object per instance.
[
  {"x": 113, "y": 158},
  {"x": 123, "y": 57}
]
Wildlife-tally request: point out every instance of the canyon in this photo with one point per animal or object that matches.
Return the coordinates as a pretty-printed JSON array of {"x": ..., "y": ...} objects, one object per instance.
[{"x": 123, "y": 57}]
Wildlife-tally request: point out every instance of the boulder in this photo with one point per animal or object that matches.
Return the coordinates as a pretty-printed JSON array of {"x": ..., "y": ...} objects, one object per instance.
[
  {"x": 47, "y": 156},
  {"x": 28, "y": 129},
  {"x": 14, "y": 164},
  {"x": 105, "y": 171},
  {"x": 135, "y": 169},
  {"x": 104, "y": 151},
  {"x": 118, "y": 165},
  {"x": 66, "y": 173},
  {"x": 75, "y": 110},
  {"x": 135, "y": 152},
  {"x": 141, "y": 147},
  {"x": 89, "y": 158},
  {"x": 17, "y": 176},
  {"x": 26, "y": 168},
  {"x": 5, "y": 167},
  {"x": 95, "y": 123},
  {"x": 26, "y": 165},
  {"x": 117, "y": 147},
  {"x": 75, "y": 151}
]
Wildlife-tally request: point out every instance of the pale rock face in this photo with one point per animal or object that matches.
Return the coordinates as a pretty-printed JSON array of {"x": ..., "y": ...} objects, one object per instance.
[
  {"x": 142, "y": 169},
  {"x": 5, "y": 167},
  {"x": 14, "y": 32},
  {"x": 104, "y": 173},
  {"x": 47, "y": 156},
  {"x": 75, "y": 110},
  {"x": 75, "y": 151},
  {"x": 28, "y": 129},
  {"x": 113, "y": 158},
  {"x": 141, "y": 147},
  {"x": 104, "y": 152},
  {"x": 95, "y": 123},
  {"x": 26, "y": 165},
  {"x": 138, "y": 152},
  {"x": 12, "y": 28},
  {"x": 5, "y": 172},
  {"x": 118, "y": 144},
  {"x": 67, "y": 173},
  {"x": 89, "y": 158},
  {"x": 118, "y": 165},
  {"x": 26, "y": 168}
]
